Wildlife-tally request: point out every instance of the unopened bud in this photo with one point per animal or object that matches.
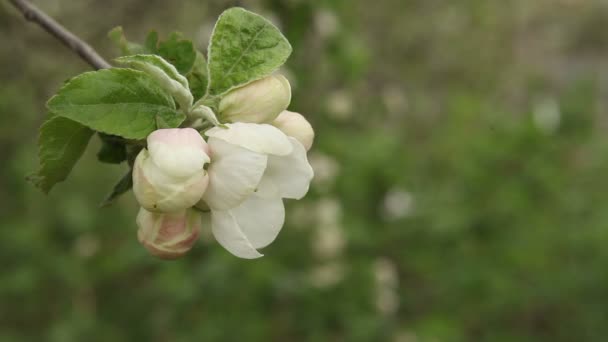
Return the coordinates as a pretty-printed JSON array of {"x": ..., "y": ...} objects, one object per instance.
[
  {"x": 257, "y": 102},
  {"x": 169, "y": 176},
  {"x": 295, "y": 125},
  {"x": 168, "y": 235}
]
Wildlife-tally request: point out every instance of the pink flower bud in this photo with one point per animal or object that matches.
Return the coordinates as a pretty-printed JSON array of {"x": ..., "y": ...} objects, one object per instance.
[
  {"x": 169, "y": 176},
  {"x": 169, "y": 235},
  {"x": 257, "y": 102},
  {"x": 295, "y": 125}
]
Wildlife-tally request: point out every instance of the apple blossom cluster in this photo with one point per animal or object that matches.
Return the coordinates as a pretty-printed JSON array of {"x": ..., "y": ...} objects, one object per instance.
[
  {"x": 237, "y": 172},
  {"x": 207, "y": 137}
]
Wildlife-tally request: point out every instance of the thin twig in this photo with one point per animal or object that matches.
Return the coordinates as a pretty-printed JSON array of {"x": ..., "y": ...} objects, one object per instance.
[{"x": 84, "y": 50}]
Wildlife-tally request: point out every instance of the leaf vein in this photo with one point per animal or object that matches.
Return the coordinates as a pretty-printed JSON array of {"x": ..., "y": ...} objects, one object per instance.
[{"x": 229, "y": 72}]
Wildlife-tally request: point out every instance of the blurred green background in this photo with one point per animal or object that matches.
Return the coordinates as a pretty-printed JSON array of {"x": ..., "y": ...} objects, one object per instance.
[{"x": 460, "y": 190}]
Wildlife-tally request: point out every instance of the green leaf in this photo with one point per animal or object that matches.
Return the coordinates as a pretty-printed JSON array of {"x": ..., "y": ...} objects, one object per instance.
[
  {"x": 179, "y": 52},
  {"x": 151, "y": 42},
  {"x": 113, "y": 149},
  {"x": 244, "y": 47},
  {"x": 140, "y": 62},
  {"x": 126, "y": 47},
  {"x": 197, "y": 77},
  {"x": 201, "y": 111},
  {"x": 61, "y": 143},
  {"x": 165, "y": 75},
  {"x": 161, "y": 123},
  {"x": 123, "y": 102},
  {"x": 124, "y": 184}
]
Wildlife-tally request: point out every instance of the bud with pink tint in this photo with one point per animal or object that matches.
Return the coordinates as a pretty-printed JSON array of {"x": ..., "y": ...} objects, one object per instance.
[
  {"x": 169, "y": 175},
  {"x": 168, "y": 235},
  {"x": 295, "y": 125}
]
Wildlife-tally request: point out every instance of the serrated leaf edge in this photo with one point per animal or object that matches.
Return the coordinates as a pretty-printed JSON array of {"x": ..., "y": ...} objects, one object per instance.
[
  {"x": 108, "y": 70},
  {"x": 35, "y": 177}
]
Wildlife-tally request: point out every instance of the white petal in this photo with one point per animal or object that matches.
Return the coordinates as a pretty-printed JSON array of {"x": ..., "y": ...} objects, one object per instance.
[
  {"x": 295, "y": 125},
  {"x": 184, "y": 195},
  {"x": 227, "y": 233},
  {"x": 234, "y": 174},
  {"x": 156, "y": 191},
  {"x": 267, "y": 189},
  {"x": 261, "y": 138},
  {"x": 291, "y": 174},
  {"x": 259, "y": 101},
  {"x": 179, "y": 152},
  {"x": 260, "y": 219}
]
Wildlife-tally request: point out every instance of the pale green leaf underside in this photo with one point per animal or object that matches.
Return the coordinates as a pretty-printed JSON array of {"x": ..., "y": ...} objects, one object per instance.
[
  {"x": 123, "y": 102},
  {"x": 61, "y": 143},
  {"x": 140, "y": 61},
  {"x": 244, "y": 47},
  {"x": 165, "y": 75}
]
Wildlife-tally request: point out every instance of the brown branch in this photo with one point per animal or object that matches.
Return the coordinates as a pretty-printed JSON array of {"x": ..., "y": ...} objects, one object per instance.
[{"x": 84, "y": 50}]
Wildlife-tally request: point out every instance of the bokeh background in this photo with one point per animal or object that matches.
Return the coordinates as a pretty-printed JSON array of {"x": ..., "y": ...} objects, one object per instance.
[{"x": 460, "y": 193}]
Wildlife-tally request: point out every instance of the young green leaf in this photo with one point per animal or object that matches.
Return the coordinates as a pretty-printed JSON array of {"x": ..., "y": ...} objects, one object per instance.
[
  {"x": 151, "y": 43},
  {"x": 164, "y": 73},
  {"x": 61, "y": 143},
  {"x": 140, "y": 62},
  {"x": 197, "y": 77},
  {"x": 203, "y": 112},
  {"x": 113, "y": 151},
  {"x": 124, "y": 184},
  {"x": 123, "y": 102},
  {"x": 244, "y": 47},
  {"x": 117, "y": 36},
  {"x": 179, "y": 52}
]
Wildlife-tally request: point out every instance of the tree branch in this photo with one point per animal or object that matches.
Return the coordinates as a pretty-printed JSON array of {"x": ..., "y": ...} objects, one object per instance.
[{"x": 84, "y": 50}]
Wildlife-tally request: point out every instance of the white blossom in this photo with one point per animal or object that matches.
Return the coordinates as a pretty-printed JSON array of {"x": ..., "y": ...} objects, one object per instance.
[
  {"x": 169, "y": 175},
  {"x": 253, "y": 167}
]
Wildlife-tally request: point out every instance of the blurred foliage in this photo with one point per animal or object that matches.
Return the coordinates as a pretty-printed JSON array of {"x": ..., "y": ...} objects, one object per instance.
[{"x": 459, "y": 192}]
